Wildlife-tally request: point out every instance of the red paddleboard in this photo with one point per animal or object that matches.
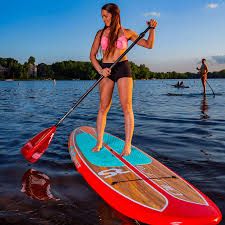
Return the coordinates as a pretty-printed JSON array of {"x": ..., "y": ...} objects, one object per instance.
[{"x": 138, "y": 185}]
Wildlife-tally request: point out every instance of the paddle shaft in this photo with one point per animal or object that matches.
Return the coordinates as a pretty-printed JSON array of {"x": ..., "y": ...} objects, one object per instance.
[
  {"x": 98, "y": 81},
  {"x": 210, "y": 88}
]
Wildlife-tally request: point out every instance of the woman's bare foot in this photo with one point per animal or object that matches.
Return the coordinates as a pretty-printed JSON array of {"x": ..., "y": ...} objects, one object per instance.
[
  {"x": 126, "y": 150},
  {"x": 97, "y": 147}
]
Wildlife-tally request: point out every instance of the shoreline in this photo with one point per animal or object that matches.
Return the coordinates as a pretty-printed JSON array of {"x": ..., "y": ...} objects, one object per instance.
[{"x": 11, "y": 80}]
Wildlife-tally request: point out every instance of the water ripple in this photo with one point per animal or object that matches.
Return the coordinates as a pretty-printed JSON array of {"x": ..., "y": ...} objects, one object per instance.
[{"x": 185, "y": 131}]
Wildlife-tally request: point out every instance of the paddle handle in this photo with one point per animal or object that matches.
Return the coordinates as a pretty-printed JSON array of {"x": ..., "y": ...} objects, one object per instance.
[{"x": 141, "y": 35}]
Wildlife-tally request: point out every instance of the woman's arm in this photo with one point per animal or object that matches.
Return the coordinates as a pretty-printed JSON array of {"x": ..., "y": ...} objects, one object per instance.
[{"x": 149, "y": 43}]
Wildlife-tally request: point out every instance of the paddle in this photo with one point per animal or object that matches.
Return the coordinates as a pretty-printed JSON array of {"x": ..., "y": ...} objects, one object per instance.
[
  {"x": 36, "y": 146},
  {"x": 211, "y": 89}
]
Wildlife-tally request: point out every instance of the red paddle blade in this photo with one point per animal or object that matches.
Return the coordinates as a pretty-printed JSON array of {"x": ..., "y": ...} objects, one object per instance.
[{"x": 36, "y": 146}]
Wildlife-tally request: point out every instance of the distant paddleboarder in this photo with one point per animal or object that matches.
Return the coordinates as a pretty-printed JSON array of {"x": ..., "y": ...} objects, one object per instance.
[
  {"x": 203, "y": 70},
  {"x": 112, "y": 40},
  {"x": 180, "y": 85}
]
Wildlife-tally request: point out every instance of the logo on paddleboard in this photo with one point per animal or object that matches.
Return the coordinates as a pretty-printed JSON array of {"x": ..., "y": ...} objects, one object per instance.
[{"x": 112, "y": 172}]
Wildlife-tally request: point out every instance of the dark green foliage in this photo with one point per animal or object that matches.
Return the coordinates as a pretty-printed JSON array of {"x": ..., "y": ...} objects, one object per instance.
[
  {"x": 31, "y": 60},
  {"x": 67, "y": 70}
]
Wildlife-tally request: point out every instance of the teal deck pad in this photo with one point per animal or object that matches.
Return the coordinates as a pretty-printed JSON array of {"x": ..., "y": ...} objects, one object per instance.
[
  {"x": 103, "y": 158},
  {"x": 135, "y": 158}
]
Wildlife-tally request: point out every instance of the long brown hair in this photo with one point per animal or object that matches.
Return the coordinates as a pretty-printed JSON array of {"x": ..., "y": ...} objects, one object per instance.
[{"x": 114, "y": 26}]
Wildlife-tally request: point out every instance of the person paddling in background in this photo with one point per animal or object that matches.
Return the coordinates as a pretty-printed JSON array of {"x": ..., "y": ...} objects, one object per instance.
[
  {"x": 203, "y": 70},
  {"x": 112, "y": 40}
]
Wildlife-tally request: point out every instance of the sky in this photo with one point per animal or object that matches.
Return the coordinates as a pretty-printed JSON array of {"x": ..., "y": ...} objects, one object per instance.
[{"x": 54, "y": 30}]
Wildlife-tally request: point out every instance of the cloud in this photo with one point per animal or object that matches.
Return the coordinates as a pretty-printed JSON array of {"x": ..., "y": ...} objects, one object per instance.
[
  {"x": 212, "y": 5},
  {"x": 155, "y": 14},
  {"x": 215, "y": 63},
  {"x": 219, "y": 59}
]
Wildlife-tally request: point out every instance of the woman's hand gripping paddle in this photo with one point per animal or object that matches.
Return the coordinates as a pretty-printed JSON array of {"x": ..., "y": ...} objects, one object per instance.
[{"x": 36, "y": 146}]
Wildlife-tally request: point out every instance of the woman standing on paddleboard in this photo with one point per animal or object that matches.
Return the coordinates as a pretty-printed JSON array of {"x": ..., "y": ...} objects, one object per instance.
[
  {"x": 203, "y": 70},
  {"x": 113, "y": 41}
]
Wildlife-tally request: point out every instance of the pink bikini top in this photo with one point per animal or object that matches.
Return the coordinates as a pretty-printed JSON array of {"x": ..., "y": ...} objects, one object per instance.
[{"x": 121, "y": 42}]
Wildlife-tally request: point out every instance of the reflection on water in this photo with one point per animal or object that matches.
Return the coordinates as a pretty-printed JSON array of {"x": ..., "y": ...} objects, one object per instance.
[
  {"x": 109, "y": 216},
  {"x": 36, "y": 185},
  {"x": 204, "y": 108}
]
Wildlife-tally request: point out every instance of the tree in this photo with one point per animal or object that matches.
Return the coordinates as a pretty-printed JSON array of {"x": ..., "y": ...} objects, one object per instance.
[{"x": 31, "y": 60}]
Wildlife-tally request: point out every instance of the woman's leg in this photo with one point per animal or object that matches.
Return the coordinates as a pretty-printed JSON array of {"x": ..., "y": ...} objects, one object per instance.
[
  {"x": 125, "y": 89},
  {"x": 106, "y": 89},
  {"x": 204, "y": 84}
]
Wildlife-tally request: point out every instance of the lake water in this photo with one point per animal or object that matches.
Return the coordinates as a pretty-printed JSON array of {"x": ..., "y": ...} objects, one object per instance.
[{"x": 184, "y": 131}]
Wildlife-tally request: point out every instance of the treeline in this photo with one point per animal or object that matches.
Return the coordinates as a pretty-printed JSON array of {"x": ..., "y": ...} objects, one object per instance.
[
  {"x": 11, "y": 68},
  {"x": 67, "y": 70}
]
